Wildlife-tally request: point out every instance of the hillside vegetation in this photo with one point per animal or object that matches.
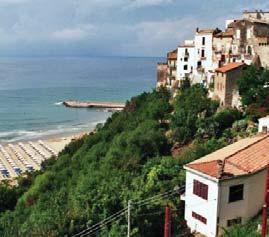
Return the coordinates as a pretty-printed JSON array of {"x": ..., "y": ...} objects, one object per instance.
[{"x": 128, "y": 158}]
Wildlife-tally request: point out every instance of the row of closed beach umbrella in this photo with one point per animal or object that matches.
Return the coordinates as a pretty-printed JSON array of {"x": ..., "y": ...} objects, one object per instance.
[{"x": 28, "y": 159}]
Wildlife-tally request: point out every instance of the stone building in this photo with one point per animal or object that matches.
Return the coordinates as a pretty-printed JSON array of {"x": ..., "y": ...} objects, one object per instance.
[
  {"x": 172, "y": 82},
  {"x": 258, "y": 14},
  {"x": 161, "y": 74},
  {"x": 245, "y": 40},
  {"x": 251, "y": 41},
  {"x": 225, "y": 88},
  {"x": 222, "y": 47}
]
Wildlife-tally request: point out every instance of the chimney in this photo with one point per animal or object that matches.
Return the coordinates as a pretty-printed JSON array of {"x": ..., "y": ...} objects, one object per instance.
[{"x": 220, "y": 164}]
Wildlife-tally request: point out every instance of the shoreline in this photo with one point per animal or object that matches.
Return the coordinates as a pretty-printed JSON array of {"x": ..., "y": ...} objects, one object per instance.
[{"x": 17, "y": 158}]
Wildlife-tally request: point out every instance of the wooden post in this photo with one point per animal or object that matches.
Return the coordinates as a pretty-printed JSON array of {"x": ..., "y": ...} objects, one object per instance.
[
  {"x": 167, "y": 222},
  {"x": 265, "y": 204}
]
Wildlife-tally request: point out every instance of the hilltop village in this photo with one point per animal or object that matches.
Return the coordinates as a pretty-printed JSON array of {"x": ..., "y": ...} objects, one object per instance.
[
  {"x": 215, "y": 58},
  {"x": 195, "y": 165}
]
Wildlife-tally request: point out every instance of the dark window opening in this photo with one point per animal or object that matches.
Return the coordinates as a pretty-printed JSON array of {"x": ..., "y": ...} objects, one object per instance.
[
  {"x": 200, "y": 189},
  {"x": 199, "y": 64},
  {"x": 185, "y": 59},
  {"x": 264, "y": 129},
  {"x": 236, "y": 221},
  {"x": 249, "y": 50},
  {"x": 203, "y": 41},
  {"x": 236, "y": 193},
  {"x": 199, "y": 217},
  {"x": 185, "y": 67},
  {"x": 203, "y": 53}
]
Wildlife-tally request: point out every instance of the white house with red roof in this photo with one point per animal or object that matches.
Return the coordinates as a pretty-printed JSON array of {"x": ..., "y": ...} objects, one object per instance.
[{"x": 226, "y": 186}]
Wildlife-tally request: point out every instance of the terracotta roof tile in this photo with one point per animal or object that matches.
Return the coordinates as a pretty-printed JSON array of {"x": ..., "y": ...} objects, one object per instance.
[
  {"x": 243, "y": 157},
  {"x": 229, "y": 66},
  {"x": 172, "y": 55}
]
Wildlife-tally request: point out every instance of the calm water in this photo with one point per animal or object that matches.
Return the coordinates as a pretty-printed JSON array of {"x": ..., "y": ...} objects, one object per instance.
[{"x": 31, "y": 90}]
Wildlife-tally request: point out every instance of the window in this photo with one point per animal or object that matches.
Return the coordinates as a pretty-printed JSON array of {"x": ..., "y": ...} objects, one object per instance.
[
  {"x": 235, "y": 221},
  {"x": 185, "y": 67},
  {"x": 185, "y": 59},
  {"x": 236, "y": 193},
  {"x": 203, "y": 41},
  {"x": 203, "y": 53},
  {"x": 200, "y": 189},
  {"x": 249, "y": 50},
  {"x": 199, "y": 217},
  {"x": 264, "y": 129},
  {"x": 199, "y": 64}
]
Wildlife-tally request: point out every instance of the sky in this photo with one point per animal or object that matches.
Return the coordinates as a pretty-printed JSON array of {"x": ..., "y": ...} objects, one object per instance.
[{"x": 109, "y": 27}]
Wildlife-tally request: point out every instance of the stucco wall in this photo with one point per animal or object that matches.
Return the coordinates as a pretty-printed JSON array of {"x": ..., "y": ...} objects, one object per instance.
[
  {"x": 181, "y": 73},
  {"x": 263, "y": 122},
  {"x": 251, "y": 203},
  {"x": 206, "y": 208}
]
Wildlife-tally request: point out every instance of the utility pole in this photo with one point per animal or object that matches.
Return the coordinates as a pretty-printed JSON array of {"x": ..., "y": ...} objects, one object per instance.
[
  {"x": 129, "y": 218},
  {"x": 167, "y": 222},
  {"x": 265, "y": 204}
]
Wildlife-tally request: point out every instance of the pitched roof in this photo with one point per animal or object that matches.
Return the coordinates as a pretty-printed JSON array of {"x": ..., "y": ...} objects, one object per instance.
[
  {"x": 229, "y": 67},
  {"x": 244, "y": 157},
  {"x": 172, "y": 55}
]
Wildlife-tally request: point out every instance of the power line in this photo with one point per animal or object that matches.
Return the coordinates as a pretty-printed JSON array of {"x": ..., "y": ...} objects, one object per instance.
[
  {"x": 99, "y": 223},
  {"x": 101, "y": 226},
  {"x": 118, "y": 214}
]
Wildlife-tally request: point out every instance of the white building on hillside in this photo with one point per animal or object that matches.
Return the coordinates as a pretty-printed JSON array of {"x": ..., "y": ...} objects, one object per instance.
[
  {"x": 226, "y": 186},
  {"x": 185, "y": 60},
  {"x": 264, "y": 124},
  {"x": 195, "y": 57},
  {"x": 203, "y": 55}
]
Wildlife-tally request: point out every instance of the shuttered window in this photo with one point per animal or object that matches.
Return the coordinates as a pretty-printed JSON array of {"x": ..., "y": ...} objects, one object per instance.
[
  {"x": 199, "y": 217},
  {"x": 200, "y": 189}
]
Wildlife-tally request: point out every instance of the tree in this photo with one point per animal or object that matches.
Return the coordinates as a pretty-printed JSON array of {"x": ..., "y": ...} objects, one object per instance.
[
  {"x": 253, "y": 86},
  {"x": 190, "y": 105}
]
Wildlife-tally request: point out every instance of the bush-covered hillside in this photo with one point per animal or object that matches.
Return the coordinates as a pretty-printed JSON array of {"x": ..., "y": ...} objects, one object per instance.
[{"x": 128, "y": 158}]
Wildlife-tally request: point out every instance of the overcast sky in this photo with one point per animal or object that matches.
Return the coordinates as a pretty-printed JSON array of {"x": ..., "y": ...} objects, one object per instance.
[{"x": 109, "y": 27}]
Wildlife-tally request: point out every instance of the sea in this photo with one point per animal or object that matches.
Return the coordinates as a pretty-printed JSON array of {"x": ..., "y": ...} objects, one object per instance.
[{"x": 32, "y": 91}]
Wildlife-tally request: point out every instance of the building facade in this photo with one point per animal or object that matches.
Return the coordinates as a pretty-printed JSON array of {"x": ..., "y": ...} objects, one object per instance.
[
  {"x": 225, "y": 87},
  {"x": 244, "y": 40},
  {"x": 161, "y": 74},
  {"x": 220, "y": 186},
  {"x": 185, "y": 60}
]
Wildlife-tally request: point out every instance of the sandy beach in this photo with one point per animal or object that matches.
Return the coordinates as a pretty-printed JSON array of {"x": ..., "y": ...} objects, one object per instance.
[{"x": 17, "y": 158}]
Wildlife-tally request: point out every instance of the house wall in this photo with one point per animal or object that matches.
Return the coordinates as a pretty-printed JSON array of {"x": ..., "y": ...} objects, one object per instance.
[
  {"x": 161, "y": 74},
  {"x": 181, "y": 72},
  {"x": 171, "y": 71},
  {"x": 260, "y": 15},
  {"x": 225, "y": 88},
  {"x": 205, "y": 208},
  {"x": 251, "y": 204},
  {"x": 200, "y": 73},
  {"x": 220, "y": 87},
  {"x": 250, "y": 35},
  {"x": 263, "y": 122},
  {"x": 222, "y": 47}
]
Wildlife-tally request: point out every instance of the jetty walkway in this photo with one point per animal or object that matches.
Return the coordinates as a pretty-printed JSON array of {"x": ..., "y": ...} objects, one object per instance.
[{"x": 90, "y": 104}]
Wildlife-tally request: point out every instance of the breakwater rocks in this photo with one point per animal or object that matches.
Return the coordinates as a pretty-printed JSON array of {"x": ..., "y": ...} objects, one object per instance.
[{"x": 90, "y": 104}]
